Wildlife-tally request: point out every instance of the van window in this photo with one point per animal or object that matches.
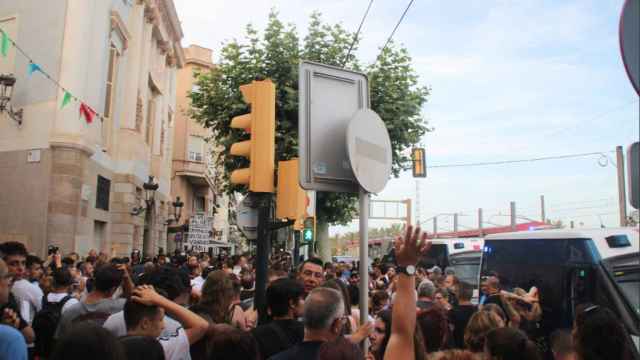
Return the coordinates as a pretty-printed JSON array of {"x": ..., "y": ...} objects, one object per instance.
[
  {"x": 438, "y": 254},
  {"x": 629, "y": 282}
]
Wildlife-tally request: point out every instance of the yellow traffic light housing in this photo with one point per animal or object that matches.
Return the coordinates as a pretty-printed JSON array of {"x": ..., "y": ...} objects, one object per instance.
[
  {"x": 419, "y": 162},
  {"x": 260, "y": 149},
  {"x": 290, "y": 198}
]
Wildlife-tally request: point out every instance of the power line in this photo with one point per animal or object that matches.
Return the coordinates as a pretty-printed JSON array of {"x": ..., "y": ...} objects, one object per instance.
[
  {"x": 503, "y": 162},
  {"x": 355, "y": 37},
  {"x": 395, "y": 28}
]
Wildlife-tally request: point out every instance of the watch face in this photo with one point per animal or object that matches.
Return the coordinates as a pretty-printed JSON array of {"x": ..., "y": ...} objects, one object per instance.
[{"x": 411, "y": 270}]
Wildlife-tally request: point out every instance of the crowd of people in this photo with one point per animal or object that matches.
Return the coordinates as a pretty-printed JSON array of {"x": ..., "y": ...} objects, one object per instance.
[{"x": 196, "y": 306}]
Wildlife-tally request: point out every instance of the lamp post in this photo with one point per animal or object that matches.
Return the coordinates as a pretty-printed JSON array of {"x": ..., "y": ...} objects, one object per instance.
[
  {"x": 7, "y": 81},
  {"x": 177, "y": 208}
]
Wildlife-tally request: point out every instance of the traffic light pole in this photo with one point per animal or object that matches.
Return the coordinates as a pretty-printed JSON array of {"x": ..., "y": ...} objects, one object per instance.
[{"x": 263, "y": 249}]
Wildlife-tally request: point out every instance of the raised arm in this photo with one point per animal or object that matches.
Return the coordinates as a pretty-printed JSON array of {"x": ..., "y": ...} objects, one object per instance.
[
  {"x": 403, "y": 325},
  {"x": 195, "y": 327}
]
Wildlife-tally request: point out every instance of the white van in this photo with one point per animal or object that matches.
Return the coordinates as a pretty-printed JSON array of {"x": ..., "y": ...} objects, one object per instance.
[{"x": 571, "y": 267}]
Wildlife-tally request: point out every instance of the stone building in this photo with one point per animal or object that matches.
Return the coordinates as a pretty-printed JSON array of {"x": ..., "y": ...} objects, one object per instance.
[
  {"x": 193, "y": 178},
  {"x": 75, "y": 184}
]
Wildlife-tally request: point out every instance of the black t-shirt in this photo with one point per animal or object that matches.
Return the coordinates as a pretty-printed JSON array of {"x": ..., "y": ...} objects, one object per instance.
[
  {"x": 307, "y": 350},
  {"x": 277, "y": 336},
  {"x": 459, "y": 317}
]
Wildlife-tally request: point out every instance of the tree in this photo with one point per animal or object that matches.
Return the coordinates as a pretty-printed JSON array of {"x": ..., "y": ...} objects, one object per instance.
[{"x": 395, "y": 96}]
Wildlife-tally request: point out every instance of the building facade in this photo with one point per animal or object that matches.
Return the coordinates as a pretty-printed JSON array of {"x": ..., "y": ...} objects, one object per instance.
[
  {"x": 73, "y": 183},
  {"x": 193, "y": 172}
]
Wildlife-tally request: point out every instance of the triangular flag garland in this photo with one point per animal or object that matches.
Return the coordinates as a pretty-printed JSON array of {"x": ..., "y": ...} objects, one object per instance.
[
  {"x": 4, "y": 44},
  {"x": 85, "y": 110},
  {"x": 33, "y": 67},
  {"x": 66, "y": 99}
]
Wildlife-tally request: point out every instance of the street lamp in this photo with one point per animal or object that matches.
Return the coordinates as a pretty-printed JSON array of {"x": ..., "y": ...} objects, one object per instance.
[
  {"x": 6, "y": 92},
  {"x": 149, "y": 193},
  {"x": 150, "y": 190},
  {"x": 177, "y": 211}
]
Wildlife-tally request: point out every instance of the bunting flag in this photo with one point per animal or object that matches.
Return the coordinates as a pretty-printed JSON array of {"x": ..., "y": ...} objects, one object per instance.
[
  {"x": 33, "y": 67},
  {"x": 4, "y": 44},
  {"x": 66, "y": 99},
  {"x": 87, "y": 112}
]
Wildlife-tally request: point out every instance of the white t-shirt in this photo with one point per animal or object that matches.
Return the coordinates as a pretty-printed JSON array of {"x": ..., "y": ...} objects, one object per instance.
[
  {"x": 197, "y": 282},
  {"x": 57, "y": 297},
  {"x": 176, "y": 346},
  {"x": 29, "y": 298},
  {"x": 116, "y": 325}
]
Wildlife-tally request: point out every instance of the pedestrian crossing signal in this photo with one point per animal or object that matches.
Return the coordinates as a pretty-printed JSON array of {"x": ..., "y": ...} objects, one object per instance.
[{"x": 307, "y": 235}]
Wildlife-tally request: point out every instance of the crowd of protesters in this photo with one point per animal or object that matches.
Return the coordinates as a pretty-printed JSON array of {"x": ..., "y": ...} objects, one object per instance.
[{"x": 196, "y": 306}]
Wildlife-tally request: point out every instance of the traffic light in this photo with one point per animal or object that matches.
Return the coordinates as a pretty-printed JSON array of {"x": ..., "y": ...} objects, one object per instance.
[
  {"x": 290, "y": 198},
  {"x": 308, "y": 234},
  {"x": 419, "y": 162},
  {"x": 260, "y": 149}
]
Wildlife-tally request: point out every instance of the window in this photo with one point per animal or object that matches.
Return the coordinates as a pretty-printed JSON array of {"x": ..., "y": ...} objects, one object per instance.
[
  {"x": 211, "y": 207},
  {"x": 196, "y": 148},
  {"x": 198, "y": 204},
  {"x": 112, "y": 74},
  {"x": 103, "y": 193},
  {"x": 150, "y": 118}
]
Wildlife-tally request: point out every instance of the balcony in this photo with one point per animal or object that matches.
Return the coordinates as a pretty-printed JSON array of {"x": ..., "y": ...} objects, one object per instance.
[{"x": 197, "y": 172}]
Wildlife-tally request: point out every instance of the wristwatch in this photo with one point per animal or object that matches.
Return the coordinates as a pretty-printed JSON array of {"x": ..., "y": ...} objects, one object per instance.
[{"x": 409, "y": 270}]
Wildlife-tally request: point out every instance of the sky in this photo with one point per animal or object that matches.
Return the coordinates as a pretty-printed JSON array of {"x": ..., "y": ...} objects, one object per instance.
[{"x": 509, "y": 80}]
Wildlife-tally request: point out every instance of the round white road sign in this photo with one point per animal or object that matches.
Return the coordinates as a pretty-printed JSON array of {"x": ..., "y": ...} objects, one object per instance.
[{"x": 369, "y": 149}]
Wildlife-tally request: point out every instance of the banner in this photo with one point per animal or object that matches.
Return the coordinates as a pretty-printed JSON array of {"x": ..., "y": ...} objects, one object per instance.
[{"x": 200, "y": 235}]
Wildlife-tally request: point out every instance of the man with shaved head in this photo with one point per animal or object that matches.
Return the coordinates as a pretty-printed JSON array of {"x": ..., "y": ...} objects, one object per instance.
[{"x": 323, "y": 321}]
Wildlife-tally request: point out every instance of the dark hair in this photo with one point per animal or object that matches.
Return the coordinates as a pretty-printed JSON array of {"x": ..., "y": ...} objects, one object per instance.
[
  {"x": 312, "y": 260},
  {"x": 599, "y": 334},
  {"x": 62, "y": 278},
  {"x": 435, "y": 327},
  {"x": 465, "y": 291},
  {"x": 142, "y": 347},
  {"x": 510, "y": 344},
  {"x": 418, "y": 343},
  {"x": 32, "y": 260},
  {"x": 68, "y": 261},
  {"x": 280, "y": 294},
  {"x": 135, "y": 312},
  {"x": 340, "y": 349},
  {"x": 378, "y": 297},
  {"x": 385, "y": 317},
  {"x": 174, "y": 282},
  {"x": 87, "y": 340},
  {"x": 12, "y": 248},
  {"x": 561, "y": 342},
  {"x": 107, "y": 278},
  {"x": 230, "y": 343}
]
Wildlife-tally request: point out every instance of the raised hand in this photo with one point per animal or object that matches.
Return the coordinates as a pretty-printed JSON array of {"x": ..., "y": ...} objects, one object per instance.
[{"x": 409, "y": 248}]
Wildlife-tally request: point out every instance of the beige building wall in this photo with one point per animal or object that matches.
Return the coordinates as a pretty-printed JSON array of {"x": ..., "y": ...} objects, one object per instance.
[
  {"x": 49, "y": 165},
  {"x": 193, "y": 171}
]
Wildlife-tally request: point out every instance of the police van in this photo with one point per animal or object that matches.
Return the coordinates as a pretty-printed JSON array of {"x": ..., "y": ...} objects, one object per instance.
[{"x": 571, "y": 267}]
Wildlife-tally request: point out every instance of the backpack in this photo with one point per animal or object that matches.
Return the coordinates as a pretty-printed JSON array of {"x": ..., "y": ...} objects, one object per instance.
[{"x": 45, "y": 324}]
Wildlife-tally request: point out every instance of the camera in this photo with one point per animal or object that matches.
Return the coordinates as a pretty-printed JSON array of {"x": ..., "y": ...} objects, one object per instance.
[{"x": 53, "y": 249}]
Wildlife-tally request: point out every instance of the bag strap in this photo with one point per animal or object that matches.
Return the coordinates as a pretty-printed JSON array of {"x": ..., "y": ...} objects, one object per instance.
[{"x": 64, "y": 301}]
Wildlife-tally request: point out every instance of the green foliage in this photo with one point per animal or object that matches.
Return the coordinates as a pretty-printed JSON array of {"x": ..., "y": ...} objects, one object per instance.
[{"x": 395, "y": 96}]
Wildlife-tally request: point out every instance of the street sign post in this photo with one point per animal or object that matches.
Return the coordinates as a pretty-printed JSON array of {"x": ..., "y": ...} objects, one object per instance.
[
  {"x": 328, "y": 99},
  {"x": 369, "y": 150},
  {"x": 630, "y": 41},
  {"x": 633, "y": 173}
]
